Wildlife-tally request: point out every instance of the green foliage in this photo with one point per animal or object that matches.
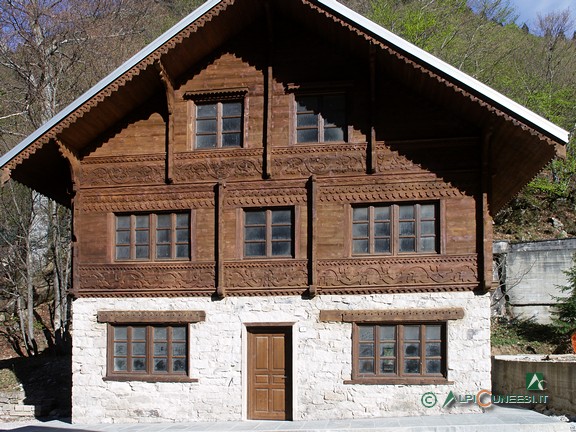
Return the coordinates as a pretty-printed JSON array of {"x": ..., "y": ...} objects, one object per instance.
[
  {"x": 525, "y": 336},
  {"x": 565, "y": 310}
]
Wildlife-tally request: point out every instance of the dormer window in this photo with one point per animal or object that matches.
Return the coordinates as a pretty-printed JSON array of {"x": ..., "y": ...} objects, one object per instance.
[{"x": 320, "y": 118}]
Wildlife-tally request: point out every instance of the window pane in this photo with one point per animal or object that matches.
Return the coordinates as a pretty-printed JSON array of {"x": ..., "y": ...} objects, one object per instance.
[
  {"x": 179, "y": 333},
  {"x": 281, "y": 248},
  {"x": 366, "y": 333},
  {"x": 120, "y": 333},
  {"x": 360, "y": 214},
  {"x": 366, "y": 350},
  {"x": 387, "y": 333},
  {"x": 333, "y": 134},
  {"x": 120, "y": 364},
  {"x": 138, "y": 333},
  {"x": 141, "y": 237},
  {"x": 307, "y": 135},
  {"x": 178, "y": 365},
  {"x": 428, "y": 227},
  {"x": 412, "y": 366},
  {"x": 142, "y": 252},
  {"x": 360, "y": 246},
  {"x": 433, "y": 332},
  {"x": 163, "y": 236},
  {"x": 382, "y": 213},
  {"x": 382, "y": 229},
  {"x": 160, "y": 348},
  {"x": 120, "y": 348},
  {"x": 182, "y": 220},
  {"x": 182, "y": 235},
  {"x": 304, "y": 120},
  {"x": 406, "y": 212},
  {"x": 206, "y": 110},
  {"x": 139, "y": 364},
  {"x": 123, "y": 222},
  {"x": 366, "y": 366},
  {"x": 179, "y": 349},
  {"x": 231, "y": 140},
  {"x": 407, "y": 245},
  {"x": 182, "y": 251},
  {"x": 334, "y": 103},
  {"x": 205, "y": 141},
  {"x": 428, "y": 244},
  {"x": 388, "y": 350},
  {"x": 231, "y": 109},
  {"x": 160, "y": 333},
  {"x": 208, "y": 126},
  {"x": 281, "y": 216},
  {"x": 428, "y": 211},
  {"x": 164, "y": 221},
  {"x": 255, "y": 218},
  {"x": 281, "y": 232},
  {"x": 142, "y": 221},
  {"x": 122, "y": 237},
  {"x": 387, "y": 366},
  {"x": 231, "y": 124},
  {"x": 407, "y": 228},
  {"x": 163, "y": 251},
  {"x": 382, "y": 245},
  {"x": 255, "y": 233},
  {"x": 433, "y": 349},
  {"x": 412, "y": 332},
  {"x": 255, "y": 249},
  {"x": 412, "y": 349},
  {"x": 122, "y": 252},
  {"x": 138, "y": 348},
  {"x": 160, "y": 365},
  {"x": 308, "y": 103},
  {"x": 433, "y": 366},
  {"x": 360, "y": 230}
]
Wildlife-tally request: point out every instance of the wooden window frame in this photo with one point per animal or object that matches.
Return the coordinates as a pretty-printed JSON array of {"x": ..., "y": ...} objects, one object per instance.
[
  {"x": 400, "y": 377},
  {"x": 219, "y": 123},
  {"x": 320, "y": 95},
  {"x": 268, "y": 233},
  {"x": 153, "y": 242},
  {"x": 147, "y": 375},
  {"x": 394, "y": 234}
]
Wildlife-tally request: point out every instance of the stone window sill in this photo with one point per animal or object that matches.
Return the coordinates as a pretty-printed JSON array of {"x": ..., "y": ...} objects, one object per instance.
[
  {"x": 400, "y": 381},
  {"x": 150, "y": 378}
]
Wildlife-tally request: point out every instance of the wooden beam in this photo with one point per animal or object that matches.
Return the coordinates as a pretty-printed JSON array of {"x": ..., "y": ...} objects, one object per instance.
[
  {"x": 220, "y": 191},
  {"x": 485, "y": 265},
  {"x": 268, "y": 94},
  {"x": 170, "y": 103},
  {"x": 391, "y": 315},
  {"x": 312, "y": 236},
  {"x": 155, "y": 317},
  {"x": 371, "y": 166}
]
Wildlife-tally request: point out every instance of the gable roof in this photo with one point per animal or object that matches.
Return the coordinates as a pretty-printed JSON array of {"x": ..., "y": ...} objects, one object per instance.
[{"x": 482, "y": 94}]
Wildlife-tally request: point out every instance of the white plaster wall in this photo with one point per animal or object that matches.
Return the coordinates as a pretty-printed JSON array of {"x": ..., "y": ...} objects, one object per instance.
[{"x": 322, "y": 360}]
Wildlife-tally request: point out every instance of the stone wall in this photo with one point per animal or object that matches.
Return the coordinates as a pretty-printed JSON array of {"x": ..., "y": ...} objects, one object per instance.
[
  {"x": 530, "y": 273},
  {"x": 321, "y": 360}
]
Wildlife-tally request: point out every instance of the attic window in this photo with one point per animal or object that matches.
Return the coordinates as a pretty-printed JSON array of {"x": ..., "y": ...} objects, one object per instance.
[{"x": 320, "y": 118}]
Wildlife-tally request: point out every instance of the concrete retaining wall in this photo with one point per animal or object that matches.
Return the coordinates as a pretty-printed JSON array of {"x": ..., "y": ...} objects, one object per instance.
[
  {"x": 530, "y": 273},
  {"x": 509, "y": 378}
]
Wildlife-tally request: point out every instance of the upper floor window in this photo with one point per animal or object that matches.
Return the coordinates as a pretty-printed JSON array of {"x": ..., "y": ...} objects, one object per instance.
[
  {"x": 155, "y": 236},
  {"x": 320, "y": 118},
  {"x": 395, "y": 228},
  {"x": 269, "y": 232},
  {"x": 219, "y": 124}
]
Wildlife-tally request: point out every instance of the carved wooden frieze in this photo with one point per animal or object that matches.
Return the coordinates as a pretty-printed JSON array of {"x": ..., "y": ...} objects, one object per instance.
[
  {"x": 303, "y": 161},
  {"x": 132, "y": 170},
  {"x": 398, "y": 271},
  {"x": 154, "y": 317},
  {"x": 204, "y": 166},
  {"x": 391, "y": 315},
  {"x": 266, "y": 274},
  {"x": 389, "y": 191},
  {"x": 388, "y": 160},
  {"x": 265, "y": 197},
  {"x": 146, "y": 278},
  {"x": 161, "y": 198}
]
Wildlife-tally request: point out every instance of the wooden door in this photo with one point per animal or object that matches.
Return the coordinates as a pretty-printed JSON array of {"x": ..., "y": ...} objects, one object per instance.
[{"x": 269, "y": 373}]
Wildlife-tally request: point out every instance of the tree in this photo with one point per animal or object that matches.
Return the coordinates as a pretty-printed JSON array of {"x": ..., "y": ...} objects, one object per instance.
[{"x": 565, "y": 309}]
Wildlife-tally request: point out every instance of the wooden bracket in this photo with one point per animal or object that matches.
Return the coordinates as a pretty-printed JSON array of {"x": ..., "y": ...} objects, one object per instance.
[{"x": 170, "y": 103}]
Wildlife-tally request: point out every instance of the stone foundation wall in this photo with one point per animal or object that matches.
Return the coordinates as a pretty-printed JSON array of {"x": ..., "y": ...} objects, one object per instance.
[{"x": 322, "y": 357}]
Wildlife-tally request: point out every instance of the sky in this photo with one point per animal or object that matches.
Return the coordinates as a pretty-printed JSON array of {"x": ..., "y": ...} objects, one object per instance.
[{"x": 529, "y": 9}]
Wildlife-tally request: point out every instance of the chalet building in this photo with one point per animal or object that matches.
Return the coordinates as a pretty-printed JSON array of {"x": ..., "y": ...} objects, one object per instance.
[{"x": 281, "y": 211}]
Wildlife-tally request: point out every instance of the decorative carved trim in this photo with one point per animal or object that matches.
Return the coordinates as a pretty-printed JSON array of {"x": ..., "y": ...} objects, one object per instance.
[
  {"x": 389, "y": 191},
  {"x": 401, "y": 272},
  {"x": 304, "y": 161},
  {"x": 138, "y": 278},
  {"x": 151, "y": 317},
  {"x": 237, "y": 165},
  {"x": 391, "y": 315},
  {"x": 128, "y": 159},
  {"x": 174, "y": 198},
  {"x": 266, "y": 197},
  {"x": 368, "y": 290},
  {"x": 134, "y": 174},
  {"x": 216, "y": 94},
  {"x": 266, "y": 274}
]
